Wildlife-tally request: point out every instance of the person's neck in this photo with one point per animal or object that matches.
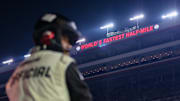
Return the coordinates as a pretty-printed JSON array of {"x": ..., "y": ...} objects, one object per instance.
[{"x": 66, "y": 53}]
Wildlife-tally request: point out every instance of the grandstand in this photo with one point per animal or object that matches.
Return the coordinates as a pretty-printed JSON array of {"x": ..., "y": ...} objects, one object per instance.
[
  {"x": 143, "y": 67},
  {"x": 5, "y": 73}
]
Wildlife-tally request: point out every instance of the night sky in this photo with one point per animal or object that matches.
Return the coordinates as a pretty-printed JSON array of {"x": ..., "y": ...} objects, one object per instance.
[{"x": 17, "y": 18}]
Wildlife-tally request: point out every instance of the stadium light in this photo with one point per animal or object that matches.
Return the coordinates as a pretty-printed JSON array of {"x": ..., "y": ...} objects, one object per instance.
[
  {"x": 137, "y": 18},
  {"x": 78, "y": 48},
  {"x": 107, "y": 27},
  {"x": 170, "y": 15},
  {"x": 81, "y": 40},
  {"x": 8, "y": 61},
  {"x": 27, "y": 55}
]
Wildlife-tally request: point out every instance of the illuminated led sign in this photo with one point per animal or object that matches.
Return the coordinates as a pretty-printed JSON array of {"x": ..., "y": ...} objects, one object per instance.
[{"x": 119, "y": 37}]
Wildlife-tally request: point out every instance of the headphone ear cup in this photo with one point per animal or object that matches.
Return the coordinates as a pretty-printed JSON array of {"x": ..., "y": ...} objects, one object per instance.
[{"x": 47, "y": 37}]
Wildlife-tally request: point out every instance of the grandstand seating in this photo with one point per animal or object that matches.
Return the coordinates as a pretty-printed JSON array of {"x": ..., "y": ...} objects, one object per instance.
[{"x": 161, "y": 36}]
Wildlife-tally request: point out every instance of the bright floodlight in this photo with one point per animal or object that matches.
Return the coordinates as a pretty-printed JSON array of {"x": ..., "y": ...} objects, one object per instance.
[
  {"x": 8, "y": 61},
  {"x": 137, "y": 17},
  {"x": 27, "y": 55},
  {"x": 78, "y": 48},
  {"x": 81, "y": 40},
  {"x": 170, "y": 15},
  {"x": 107, "y": 26}
]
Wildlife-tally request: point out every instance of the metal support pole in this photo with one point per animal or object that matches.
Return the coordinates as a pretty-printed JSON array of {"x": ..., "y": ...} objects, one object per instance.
[
  {"x": 137, "y": 23},
  {"x": 107, "y": 30}
]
